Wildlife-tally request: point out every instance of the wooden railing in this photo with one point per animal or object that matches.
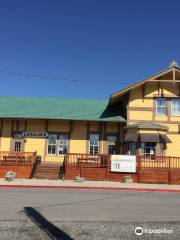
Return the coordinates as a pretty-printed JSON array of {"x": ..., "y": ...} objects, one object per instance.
[
  {"x": 87, "y": 160},
  {"x": 159, "y": 162},
  {"x": 17, "y": 158}
]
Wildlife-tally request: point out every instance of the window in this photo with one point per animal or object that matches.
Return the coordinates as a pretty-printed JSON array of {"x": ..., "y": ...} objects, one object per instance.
[
  {"x": 63, "y": 144},
  {"x": 57, "y": 144},
  {"x": 161, "y": 106},
  {"x": 175, "y": 107},
  {"x": 132, "y": 148},
  {"x": 17, "y": 146},
  {"x": 111, "y": 144},
  {"x": 94, "y": 143},
  {"x": 148, "y": 149},
  {"x": 52, "y": 144}
]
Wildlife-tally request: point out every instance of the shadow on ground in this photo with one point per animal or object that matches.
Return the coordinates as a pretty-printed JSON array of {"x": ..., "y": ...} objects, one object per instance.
[{"x": 49, "y": 228}]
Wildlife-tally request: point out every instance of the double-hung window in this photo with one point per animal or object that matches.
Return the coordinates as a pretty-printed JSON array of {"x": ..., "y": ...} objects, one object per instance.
[
  {"x": 111, "y": 144},
  {"x": 175, "y": 104},
  {"x": 94, "y": 143},
  {"x": 161, "y": 106},
  {"x": 63, "y": 144},
  {"x": 57, "y": 144},
  {"x": 148, "y": 148},
  {"x": 52, "y": 144}
]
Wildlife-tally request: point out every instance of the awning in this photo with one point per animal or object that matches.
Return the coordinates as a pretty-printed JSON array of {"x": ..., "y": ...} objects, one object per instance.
[
  {"x": 146, "y": 137},
  {"x": 131, "y": 137},
  {"x": 164, "y": 139},
  {"x": 161, "y": 138}
]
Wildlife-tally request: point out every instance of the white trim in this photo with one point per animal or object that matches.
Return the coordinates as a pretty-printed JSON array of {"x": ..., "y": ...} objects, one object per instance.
[
  {"x": 157, "y": 114},
  {"x": 174, "y": 115}
]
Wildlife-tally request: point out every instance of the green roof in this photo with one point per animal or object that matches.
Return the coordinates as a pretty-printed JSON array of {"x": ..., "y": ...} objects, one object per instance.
[
  {"x": 57, "y": 108},
  {"x": 147, "y": 126}
]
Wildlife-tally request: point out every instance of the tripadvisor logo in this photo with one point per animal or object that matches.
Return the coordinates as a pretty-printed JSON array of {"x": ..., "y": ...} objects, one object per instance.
[{"x": 139, "y": 231}]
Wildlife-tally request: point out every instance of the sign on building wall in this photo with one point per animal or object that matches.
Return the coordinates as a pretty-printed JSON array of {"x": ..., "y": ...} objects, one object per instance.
[
  {"x": 34, "y": 134},
  {"x": 123, "y": 163}
]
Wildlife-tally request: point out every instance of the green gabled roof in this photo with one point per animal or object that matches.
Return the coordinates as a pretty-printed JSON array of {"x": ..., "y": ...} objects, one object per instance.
[
  {"x": 147, "y": 126},
  {"x": 57, "y": 108}
]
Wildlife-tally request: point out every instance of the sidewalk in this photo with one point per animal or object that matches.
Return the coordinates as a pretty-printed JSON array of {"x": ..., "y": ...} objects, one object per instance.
[{"x": 96, "y": 185}]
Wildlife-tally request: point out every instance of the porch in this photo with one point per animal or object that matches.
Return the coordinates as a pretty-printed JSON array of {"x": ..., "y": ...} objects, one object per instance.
[
  {"x": 22, "y": 163},
  {"x": 159, "y": 169}
]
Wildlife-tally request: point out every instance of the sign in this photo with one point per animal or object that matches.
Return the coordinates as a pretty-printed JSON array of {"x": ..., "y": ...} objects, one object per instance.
[
  {"x": 34, "y": 134},
  {"x": 123, "y": 163}
]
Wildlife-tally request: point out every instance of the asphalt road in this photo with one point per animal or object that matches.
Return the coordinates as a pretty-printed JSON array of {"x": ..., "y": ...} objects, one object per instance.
[{"x": 88, "y": 214}]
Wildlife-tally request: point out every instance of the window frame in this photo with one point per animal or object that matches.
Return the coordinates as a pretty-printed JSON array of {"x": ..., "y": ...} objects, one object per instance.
[
  {"x": 57, "y": 143},
  {"x": 18, "y": 141},
  {"x": 89, "y": 143},
  {"x": 172, "y": 114},
  {"x": 108, "y": 143},
  {"x": 148, "y": 155},
  {"x": 52, "y": 154},
  {"x": 166, "y": 106}
]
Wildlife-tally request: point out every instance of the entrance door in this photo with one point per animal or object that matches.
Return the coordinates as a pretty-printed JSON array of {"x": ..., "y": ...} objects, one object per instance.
[{"x": 18, "y": 145}]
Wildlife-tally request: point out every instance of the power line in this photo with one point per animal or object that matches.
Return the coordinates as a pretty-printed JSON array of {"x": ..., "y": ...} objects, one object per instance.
[{"x": 49, "y": 77}]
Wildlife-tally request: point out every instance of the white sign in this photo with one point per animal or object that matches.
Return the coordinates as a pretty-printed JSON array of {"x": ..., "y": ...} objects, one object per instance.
[{"x": 123, "y": 163}]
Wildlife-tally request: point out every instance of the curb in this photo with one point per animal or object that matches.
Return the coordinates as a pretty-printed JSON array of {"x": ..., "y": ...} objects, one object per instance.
[{"x": 91, "y": 188}]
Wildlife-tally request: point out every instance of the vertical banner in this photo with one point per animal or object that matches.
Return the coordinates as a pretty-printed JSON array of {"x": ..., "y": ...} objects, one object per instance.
[{"x": 123, "y": 163}]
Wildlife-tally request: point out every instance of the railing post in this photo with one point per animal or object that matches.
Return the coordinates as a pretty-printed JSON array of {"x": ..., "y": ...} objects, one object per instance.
[
  {"x": 139, "y": 168},
  {"x": 169, "y": 170}
]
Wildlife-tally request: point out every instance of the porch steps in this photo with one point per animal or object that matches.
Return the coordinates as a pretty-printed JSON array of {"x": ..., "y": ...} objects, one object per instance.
[{"x": 47, "y": 171}]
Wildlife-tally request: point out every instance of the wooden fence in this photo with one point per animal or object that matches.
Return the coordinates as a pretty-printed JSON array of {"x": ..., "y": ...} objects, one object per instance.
[
  {"x": 22, "y": 163},
  {"x": 157, "y": 169}
]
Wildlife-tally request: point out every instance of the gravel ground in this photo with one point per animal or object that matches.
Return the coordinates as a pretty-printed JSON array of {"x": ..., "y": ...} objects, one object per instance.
[
  {"x": 21, "y": 230},
  {"x": 27, "y": 230},
  {"x": 116, "y": 231}
]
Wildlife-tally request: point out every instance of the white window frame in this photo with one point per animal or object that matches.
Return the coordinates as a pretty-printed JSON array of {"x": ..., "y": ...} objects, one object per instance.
[
  {"x": 158, "y": 114},
  {"x": 174, "y": 114},
  {"x": 150, "y": 148},
  {"x": 52, "y": 154},
  {"x": 65, "y": 142},
  {"x": 94, "y": 145}
]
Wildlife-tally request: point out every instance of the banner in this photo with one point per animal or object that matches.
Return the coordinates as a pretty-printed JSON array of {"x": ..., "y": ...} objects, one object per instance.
[{"x": 123, "y": 163}]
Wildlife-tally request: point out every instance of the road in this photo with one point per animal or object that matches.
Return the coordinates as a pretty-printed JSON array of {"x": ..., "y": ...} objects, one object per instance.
[{"x": 87, "y": 214}]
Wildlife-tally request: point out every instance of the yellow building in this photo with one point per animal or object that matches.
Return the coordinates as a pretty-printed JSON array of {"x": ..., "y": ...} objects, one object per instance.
[
  {"x": 54, "y": 127},
  {"x": 143, "y": 118},
  {"x": 152, "y": 113}
]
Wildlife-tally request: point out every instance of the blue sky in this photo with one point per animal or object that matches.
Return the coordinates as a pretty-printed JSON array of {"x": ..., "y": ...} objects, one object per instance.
[{"x": 104, "y": 44}]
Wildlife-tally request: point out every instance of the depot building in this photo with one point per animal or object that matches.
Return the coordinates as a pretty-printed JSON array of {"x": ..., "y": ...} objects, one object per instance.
[{"x": 143, "y": 118}]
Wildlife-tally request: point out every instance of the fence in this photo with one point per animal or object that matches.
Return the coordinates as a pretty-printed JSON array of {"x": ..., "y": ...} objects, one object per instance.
[
  {"x": 156, "y": 169},
  {"x": 159, "y": 169},
  {"x": 22, "y": 163}
]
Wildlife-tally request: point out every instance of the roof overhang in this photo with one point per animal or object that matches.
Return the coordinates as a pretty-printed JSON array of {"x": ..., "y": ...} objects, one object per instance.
[{"x": 152, "y": 79}]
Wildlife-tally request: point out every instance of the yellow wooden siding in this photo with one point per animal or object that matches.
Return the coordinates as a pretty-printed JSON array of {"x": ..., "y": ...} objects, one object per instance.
[
  {"x": 78, "y": 142},
  {"x": 58, "y": 159},
  {"x": 161, "y": 118},
  {"x": 173, "y": 149},
  {"x": 140, "y": 115},
  {"x": 6, "y": 136},
  {"x": 151, "y": 89},
  {"x": 35, "y": 144}
]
